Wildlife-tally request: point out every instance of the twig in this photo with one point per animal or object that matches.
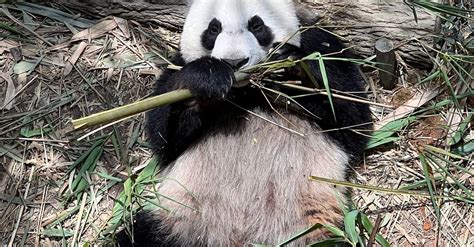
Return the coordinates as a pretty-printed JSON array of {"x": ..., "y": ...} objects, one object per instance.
[
  {"x": 114, "y": 115},
  {"x": 268, "y": 120},
  {"x": 34, "y": 140},
  {"x": 22, "y": 208},
  {"x": 335, "y": 95},
  {"x": 102, "y": 127},
  {"x": 41, "y": 215},
  {"x": 374, "y": 232},
  {"x": 79, "y": 219},
  {"x": 385, "y": 190}
]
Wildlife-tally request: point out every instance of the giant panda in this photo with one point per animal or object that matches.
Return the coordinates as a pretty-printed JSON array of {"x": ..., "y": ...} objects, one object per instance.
[{"x": 233, "y": 173}]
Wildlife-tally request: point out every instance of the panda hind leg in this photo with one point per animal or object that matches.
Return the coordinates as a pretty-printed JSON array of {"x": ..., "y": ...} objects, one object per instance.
[{"x": 147, "y": 231}]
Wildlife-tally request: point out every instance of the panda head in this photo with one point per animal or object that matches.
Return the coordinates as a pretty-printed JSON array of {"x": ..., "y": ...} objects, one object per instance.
[{"x": 240, "y": 32}]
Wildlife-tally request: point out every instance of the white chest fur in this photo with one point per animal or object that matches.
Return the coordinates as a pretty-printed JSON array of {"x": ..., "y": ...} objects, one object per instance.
[{"x": 251, "y": 187}]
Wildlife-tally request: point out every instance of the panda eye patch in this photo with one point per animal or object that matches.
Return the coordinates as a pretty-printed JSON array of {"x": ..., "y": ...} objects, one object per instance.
[
  {"x": 261, "y": 31},
  {"x": 209, "y": 36},
  {"x": 214, "y": 27},
  {"x": 256, "y": 24}
]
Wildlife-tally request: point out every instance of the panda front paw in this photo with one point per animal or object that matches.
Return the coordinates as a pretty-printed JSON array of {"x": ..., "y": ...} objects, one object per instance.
[
  {"x": 207, "y": 78},
  {"x": 286, "y": 51}
]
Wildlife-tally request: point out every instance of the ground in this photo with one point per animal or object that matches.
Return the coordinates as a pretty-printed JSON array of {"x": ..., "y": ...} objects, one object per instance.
[{"x": 58, "y": 185}]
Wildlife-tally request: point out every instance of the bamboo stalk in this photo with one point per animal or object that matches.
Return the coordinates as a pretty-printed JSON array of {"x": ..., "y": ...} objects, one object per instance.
[
  {"x": 140, "y": 106},
  {"x": 131, "y": 109},
  {"x": 122, "y": 112}
]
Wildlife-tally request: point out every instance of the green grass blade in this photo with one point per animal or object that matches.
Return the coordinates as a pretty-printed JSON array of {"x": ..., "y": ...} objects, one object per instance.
[{"x": 431, "y": 189}]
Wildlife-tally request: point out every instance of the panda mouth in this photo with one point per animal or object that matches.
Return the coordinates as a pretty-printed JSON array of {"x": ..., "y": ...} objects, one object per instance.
[{"x": 236, "y": 63}]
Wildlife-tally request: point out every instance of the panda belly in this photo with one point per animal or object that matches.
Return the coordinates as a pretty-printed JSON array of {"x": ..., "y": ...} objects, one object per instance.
[{"x": 252, "y": 187}]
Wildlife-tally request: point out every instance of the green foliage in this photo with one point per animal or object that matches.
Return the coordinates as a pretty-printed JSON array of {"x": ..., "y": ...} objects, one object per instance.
[
  {"x": 54, "y": 232},
  {"x": 357, "y": 230},
  {"x": 85, "y": 165},
  {"x": 385, "y": 134},
  {"x": 128, "y": 201}
]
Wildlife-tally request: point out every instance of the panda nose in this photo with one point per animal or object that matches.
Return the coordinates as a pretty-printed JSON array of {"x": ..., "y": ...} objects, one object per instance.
[{"x": 237, "y": 63}]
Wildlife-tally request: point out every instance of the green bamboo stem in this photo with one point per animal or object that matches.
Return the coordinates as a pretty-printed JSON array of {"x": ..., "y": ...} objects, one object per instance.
[
  {"x": 140, "y": 106},
  {"x": 131, "y": 109}
]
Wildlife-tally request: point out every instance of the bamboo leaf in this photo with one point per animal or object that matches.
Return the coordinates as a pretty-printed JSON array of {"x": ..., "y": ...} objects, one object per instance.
[
  {"x": 373, "y": 143},
  {"x": 465, "y": 149},
  {"x": 331, "y": 242},
  {"x": 458, "y": 134},
  {"x": 299, "y": 235},
  {"x": 109, "y": 177},
  {"x": 55, "y": 232},
  {"x": 350, "y": 226},
  {"x": 334, "y": 230},
  {"x": 444, "y": 152},
  {"x": 385, "y": 190},
  {"x": 126, "y": 196},
  {"x": 383, "y": 135},
  {"x": 324, "y": 76},
  {"x": 28, "y": 133}
]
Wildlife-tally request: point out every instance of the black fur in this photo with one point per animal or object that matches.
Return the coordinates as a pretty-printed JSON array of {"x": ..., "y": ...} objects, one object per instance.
[
  {"x": 342, "y": 76},
  {"x": 209, "y": 36},
  {"x": 149, "y": 233},
  {"x": 173, "y": 128},
  {"x": 262, "y": 32}
]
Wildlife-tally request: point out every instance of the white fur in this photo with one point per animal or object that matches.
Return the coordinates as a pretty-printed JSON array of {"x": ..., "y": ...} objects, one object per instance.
[
  {"x": 235, "y": 41},
  {"x": 253, "y": 186}
]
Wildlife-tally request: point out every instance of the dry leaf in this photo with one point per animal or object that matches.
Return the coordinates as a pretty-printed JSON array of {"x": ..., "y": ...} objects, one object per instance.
[
  {"x": 23, "y": 67},
  {"x": 73, "y": 59},
  {"x": 409, "y": 107},
  {"x": 123, "y": 26},
  {"x": 95, "y": 31},
  {"x": 10, "y": 93},
  {"x": 110, "y": 73},
  {"x": 6, "y": 45}
]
